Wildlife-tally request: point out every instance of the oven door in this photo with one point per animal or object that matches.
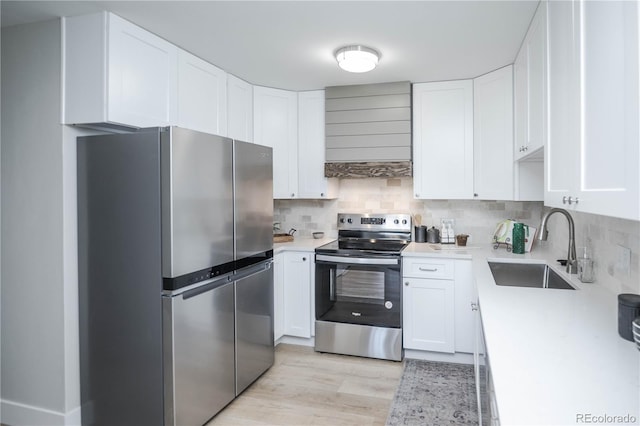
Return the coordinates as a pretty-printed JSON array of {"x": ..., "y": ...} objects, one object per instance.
[{"x": 358, "y": 290}]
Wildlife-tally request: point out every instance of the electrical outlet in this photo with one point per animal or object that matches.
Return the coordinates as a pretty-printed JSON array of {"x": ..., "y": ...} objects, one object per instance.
[{"x": 623, "y": 260}]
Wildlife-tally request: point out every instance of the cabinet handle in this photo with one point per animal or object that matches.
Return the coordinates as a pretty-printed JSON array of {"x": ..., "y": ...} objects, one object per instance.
[
  {"x": 417, "y": 195},
  {"x": 304, "y": 259},
  {"x": 564, "y": 199},
  {"x": 406, "y": 283},
  {"x": 525, "y": 148},
  {"x": 428, "y": 269},
  {"x": 475, "y": 194},
  {"x": 293, "y": 194},
  {"x": 322, "y": 194},
  {"x": 474, "y": 306}
]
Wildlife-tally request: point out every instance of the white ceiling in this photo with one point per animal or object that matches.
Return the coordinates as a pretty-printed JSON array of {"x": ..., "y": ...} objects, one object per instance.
[{"x": 290, "y": 44}]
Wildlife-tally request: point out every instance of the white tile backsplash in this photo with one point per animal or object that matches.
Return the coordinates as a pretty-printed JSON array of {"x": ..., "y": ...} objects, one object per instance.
[
  {"x": 474, "y": 217},
  {"x": 602, "y": 235}
]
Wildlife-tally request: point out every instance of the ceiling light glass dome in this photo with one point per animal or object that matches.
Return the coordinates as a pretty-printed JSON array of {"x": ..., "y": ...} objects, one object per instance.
[{"x": 357, "y": 58}]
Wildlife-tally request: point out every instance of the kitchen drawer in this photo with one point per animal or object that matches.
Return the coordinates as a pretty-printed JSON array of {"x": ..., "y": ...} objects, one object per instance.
[{"x": 428, "y": 268}]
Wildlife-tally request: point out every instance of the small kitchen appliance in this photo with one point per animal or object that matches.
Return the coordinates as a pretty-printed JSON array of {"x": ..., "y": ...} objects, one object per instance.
[{"x": 358, "y": 294}]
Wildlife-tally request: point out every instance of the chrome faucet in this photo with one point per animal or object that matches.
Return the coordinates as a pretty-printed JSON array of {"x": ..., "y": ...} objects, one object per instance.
[{"x": 572, "y": 262}]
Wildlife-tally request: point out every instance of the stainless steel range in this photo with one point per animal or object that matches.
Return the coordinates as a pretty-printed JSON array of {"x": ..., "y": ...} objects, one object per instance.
[{"x": 358, "y": 292}]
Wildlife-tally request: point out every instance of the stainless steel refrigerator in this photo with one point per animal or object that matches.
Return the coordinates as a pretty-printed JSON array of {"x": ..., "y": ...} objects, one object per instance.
[{"x": 175, "y": 274}]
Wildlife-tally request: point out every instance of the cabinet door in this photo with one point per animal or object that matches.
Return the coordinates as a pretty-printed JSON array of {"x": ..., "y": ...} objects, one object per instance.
[
  {"x": 141, "y": 88},
  {"x": 428, "y": 317},
  {"x": 443, "y": 140},
  {"x": 609, "y": 179},
  {"x": 202, "y": 95},
  {"x": 562, "y": 153},
  {"x": 278, "y": 296},
  {"x": 520, "y": 102},
  {"x": 465, "y": 296},
  {"x": 239, "y": 109},
  {"x": 536, "y": 81},
  {"x": 311, "y": 147},
  {"x": 276, "y": 125},
  {"x": 297, "y": 294},
  {"x": 530, "y": 87},
  {"x": 493, "y": 135}
]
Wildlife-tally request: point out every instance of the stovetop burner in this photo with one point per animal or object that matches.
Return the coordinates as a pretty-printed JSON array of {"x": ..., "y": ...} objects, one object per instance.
[{"x": 358, "y": 234}]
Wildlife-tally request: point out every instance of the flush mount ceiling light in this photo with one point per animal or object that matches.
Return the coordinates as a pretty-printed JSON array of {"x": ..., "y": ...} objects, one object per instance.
[{"x": 357, "y": 58}]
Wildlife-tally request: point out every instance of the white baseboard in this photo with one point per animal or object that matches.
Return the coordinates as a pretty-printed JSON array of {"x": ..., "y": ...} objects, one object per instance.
[
  {"x": 457, "y": 358},
  {"x": 301, "y": 341},
  {"x": 17, "y": 414}
]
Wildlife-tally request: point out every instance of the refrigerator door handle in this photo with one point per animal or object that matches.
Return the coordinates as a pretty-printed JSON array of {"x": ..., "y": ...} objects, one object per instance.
[{"x": 253, "y": 270}]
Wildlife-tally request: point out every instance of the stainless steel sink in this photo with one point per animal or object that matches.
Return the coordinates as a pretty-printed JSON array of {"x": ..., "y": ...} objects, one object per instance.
[{"x": 536, "y": 275}]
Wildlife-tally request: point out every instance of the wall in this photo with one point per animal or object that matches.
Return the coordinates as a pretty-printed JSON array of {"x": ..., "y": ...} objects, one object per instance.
[
  {"x": 477, "y": 218},
  {"x": 603, "y": 235},
  {"x": 40, "y": 383}
]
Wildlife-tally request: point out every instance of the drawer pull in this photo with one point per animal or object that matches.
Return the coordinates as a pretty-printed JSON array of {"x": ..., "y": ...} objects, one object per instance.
[{"x": 428, "y": 269}]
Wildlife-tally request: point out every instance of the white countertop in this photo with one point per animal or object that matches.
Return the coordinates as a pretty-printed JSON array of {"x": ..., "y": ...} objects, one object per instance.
[
  {"x": 555, "y": 354},
  {"x": 301, "y": 244}
]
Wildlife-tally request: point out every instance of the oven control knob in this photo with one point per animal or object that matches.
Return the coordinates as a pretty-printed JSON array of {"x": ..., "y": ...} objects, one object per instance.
[
  {"x": 396, "y": 221},
  {"x": 342, "y": 220},
  {"x": 404, "y": 221},
  {"x": 388, "y": 304},
  {"x": 350, "y": 220}
]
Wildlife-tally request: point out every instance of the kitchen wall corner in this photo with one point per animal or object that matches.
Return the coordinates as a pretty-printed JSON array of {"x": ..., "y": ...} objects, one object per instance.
[{"x": 603, "y": 235}]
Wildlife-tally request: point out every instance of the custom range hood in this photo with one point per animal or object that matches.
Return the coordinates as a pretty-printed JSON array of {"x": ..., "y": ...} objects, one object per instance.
[{"x": 368, "y": 130}]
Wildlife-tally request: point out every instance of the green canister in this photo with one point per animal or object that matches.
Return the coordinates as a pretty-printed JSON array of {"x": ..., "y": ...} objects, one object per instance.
[{"x": 518, "y": 238}]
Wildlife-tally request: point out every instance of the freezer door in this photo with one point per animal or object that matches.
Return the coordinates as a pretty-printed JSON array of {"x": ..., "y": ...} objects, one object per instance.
[
  {"x": 197, "y": 201},
  {"x": 253, "y": 199},
  {"x": 254, "y": 324},
  {"x": 198, "y": 328}
]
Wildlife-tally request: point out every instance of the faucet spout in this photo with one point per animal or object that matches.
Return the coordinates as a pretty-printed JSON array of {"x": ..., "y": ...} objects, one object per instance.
[{"x": 572, "y": 262}]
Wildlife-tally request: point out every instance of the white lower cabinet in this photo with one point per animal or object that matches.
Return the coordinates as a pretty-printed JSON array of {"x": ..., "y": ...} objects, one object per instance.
[
  {"x": 437, "y": 296},
  {"x": 293, "y": 277},
  {"x": 465, "y": 296},
  {"x": 428, "y": 306}
]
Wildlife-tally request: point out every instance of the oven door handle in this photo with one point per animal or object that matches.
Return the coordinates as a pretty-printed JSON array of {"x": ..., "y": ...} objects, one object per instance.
[{"x": 357, "y": 260}]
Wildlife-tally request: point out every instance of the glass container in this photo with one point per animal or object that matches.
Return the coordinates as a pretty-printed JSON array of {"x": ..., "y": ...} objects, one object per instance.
[{"x": 518, "y": 238}]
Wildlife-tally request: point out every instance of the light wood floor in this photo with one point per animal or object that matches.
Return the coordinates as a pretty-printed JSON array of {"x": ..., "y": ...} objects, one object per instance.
[{"x": 309, "y": 388}]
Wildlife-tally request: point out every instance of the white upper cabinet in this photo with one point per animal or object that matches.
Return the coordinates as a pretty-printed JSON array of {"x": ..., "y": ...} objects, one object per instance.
[
  {"x": 530, "y": 69},
  {"x": 117, "y": 73},
  {"x": 239, "y": 109},
  {"x": 610, "y": 154},
  {"x": 276, "y": 125},
  {"x": 593, "y": 149},
  {"x": 563, "y": 148},
  {"x": 202, "y": 95},
  {"x": 443, "y": 140},
  {"x": 311, "y": 147},
  {"x": 493, "y": 135}
]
